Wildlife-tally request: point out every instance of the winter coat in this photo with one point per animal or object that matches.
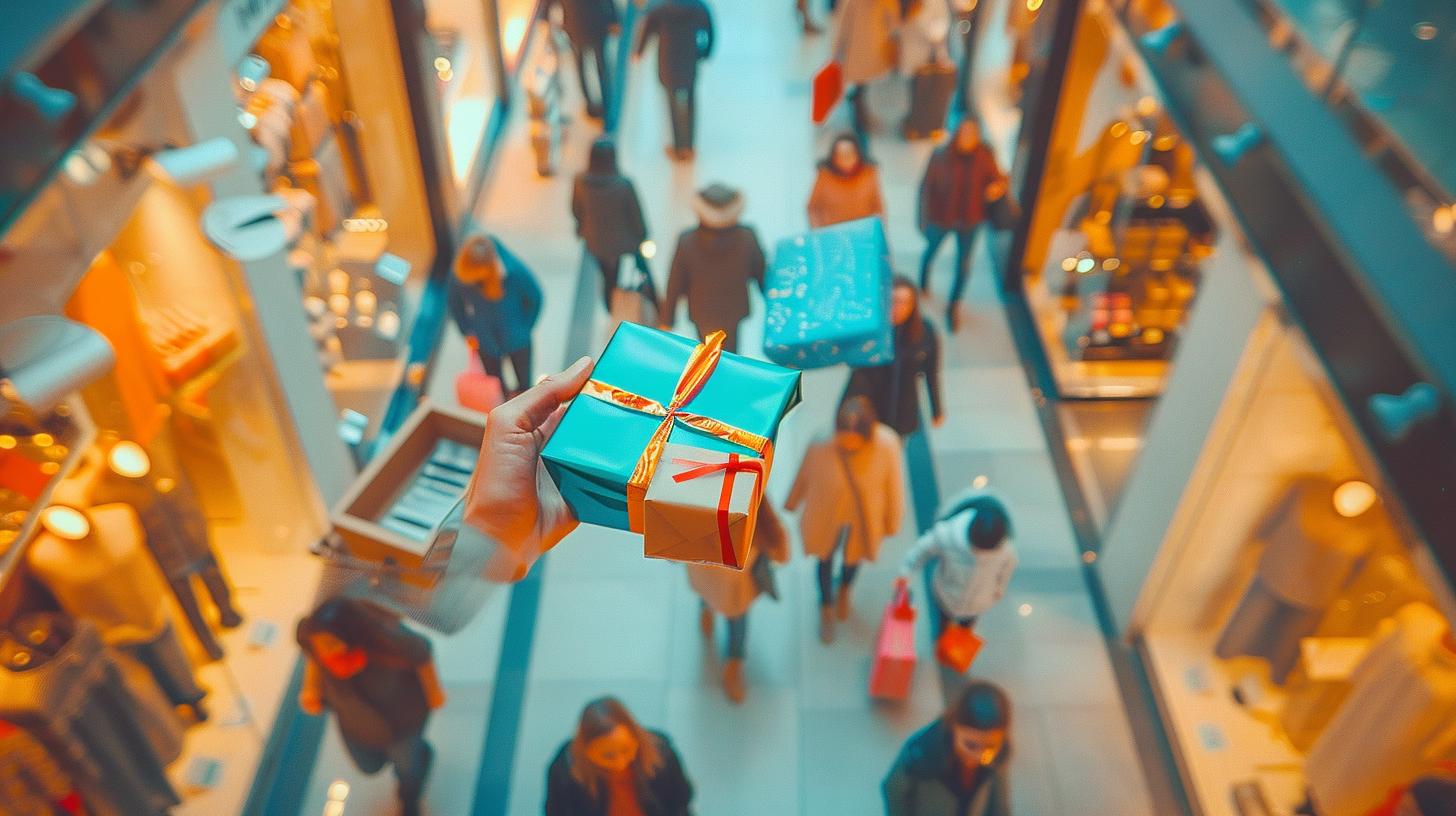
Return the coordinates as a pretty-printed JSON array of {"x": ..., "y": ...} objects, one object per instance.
[
  {"x": 837, "y": 198},
  {"x": 894, "y": 388},
  {"x": 830, "y": 506},
  {"x": 586, "y": 21},
  {"x": 864, "y": 39},
  {"x": 608, "y": 215},
  {"x": 684, "y": 32},
  {"x": 499, "y": 326},
  {"x": 730, "y": 592},
  {"x": 669, "y": 793},
  {"x": 967, "y": 581},
  {"x": 712, "y": 267},
  {"x": 953, "y": 189},
  {"x": 924, "y": 36},
  {"x": 924, "y": 779}
]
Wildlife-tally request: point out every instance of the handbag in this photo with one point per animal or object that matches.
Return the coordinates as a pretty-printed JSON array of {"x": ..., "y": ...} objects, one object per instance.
[
  {"x": 957, "y": 647},
  {"x": 1004, "y": 213},
  {"x": 630, "y": 304},
  {"x": 828, "y": 89}
]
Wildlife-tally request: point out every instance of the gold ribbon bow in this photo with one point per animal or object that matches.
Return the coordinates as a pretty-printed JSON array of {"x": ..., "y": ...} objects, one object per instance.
[{"x": 694, "y": 376}]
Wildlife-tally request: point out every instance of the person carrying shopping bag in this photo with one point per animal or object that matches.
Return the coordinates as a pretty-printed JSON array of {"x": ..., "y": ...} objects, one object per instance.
[
  {"x": 609, "y": 219},
  {"x": 495, "y": 301},
  {"x": 969, "y": 556},
  {"x": 865, "y": 47},
  {"x": 956, "y": 193},
  {"x": 852, "y": 491}
]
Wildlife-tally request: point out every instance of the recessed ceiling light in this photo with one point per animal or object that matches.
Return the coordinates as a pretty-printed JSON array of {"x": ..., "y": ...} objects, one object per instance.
[{"x": 1425, "y": 31}]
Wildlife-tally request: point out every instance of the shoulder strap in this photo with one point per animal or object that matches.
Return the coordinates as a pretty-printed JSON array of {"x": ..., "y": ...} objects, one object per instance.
[{"x": 859, "y": 510}]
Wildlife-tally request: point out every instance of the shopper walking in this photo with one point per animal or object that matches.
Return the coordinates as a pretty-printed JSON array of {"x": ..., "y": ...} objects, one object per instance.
[
  {"x": 684, "y": 32},
  {"x": 865, "y": 48},
  {"x": 730, "y": 593},
  {"x": 614, "y": 767},
  {"x": 609, "y": 219},
  {"x": 968, "y": 556},
  {"x": 847, "y": 186},
  {"x": 588, "y": 23},
  {"x": 713, "y": 266},
  {"x": 924, "y": 36},
  {"x": 852, "y": 492},
  {"x": 957, "y": 765},
  {"x": 960, "y": 181},
  {"x": 495, "y": 300},
  {"x": 377, "y": 677},
  {"x": 894, "y": 388}
]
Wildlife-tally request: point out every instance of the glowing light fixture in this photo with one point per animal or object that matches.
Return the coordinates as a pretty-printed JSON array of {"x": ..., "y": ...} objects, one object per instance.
[
  {"x": 129, "y": 459},
  {"x": 65, "y": 522},
  {"x": 1353, "y": 498}
]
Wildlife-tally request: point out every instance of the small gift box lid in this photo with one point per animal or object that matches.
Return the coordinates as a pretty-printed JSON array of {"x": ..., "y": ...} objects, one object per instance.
[{"x": 697, "y": 498}]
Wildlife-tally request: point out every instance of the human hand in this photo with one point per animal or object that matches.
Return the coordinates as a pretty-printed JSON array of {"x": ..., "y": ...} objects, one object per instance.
[
  {"x": 995, "y": 190},
  {"x": 938, "y": 420},
  {"x": 310, "y": 703},
  {"x": 511, "y": 498},
  {"x": 472, "y": 344}
]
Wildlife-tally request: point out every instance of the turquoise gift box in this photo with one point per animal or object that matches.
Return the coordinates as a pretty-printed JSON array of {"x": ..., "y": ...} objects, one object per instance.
[
  {"x": 593, "y": 451},
  {"x": 828, "y": 298}
]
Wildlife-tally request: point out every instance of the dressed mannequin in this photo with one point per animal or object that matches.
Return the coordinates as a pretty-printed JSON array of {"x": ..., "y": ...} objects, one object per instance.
[
  {"x": 95, "y": 565},
  {"x": 176, "y": 533},
  {"x": 1397, "y": 722},
  {"x": 1313, "y": 540},
  {"x": 73, "y": 701}
]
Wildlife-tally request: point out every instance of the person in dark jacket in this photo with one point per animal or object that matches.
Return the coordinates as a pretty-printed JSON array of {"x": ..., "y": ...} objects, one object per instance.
[
  {"x": 893, "y": 388},
  {"x": 713, "y": 266},
  {"x": 587, "y": 24},
  {"x": 957, "y": 765},
  {"x": 379, "y": 680},
  {"x": 960, "y": 181},
  {"x": 495, "y": 301},
  {"x": 684, "y": 32},
  {"x": 615, "y": 766},
  {"x": 609, "y": 219}
]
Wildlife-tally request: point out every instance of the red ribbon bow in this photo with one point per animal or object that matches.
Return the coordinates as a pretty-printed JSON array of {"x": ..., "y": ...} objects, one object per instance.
[{"x": 736, "y": 464}]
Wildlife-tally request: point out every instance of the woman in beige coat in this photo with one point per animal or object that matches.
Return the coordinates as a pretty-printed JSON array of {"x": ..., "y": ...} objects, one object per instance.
[
  {"x": 730, "y": 593},
  {"x": 864, "y": 47},
  {"x": 852, "y": 490}
]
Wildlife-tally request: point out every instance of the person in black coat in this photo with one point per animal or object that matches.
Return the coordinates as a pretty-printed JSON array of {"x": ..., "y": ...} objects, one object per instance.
[
  {"x": 715, "y": 264},
  {"x": 894, "y": 387},
  {"x": 587, "y": 24},
  {"x": 684, "y": 32},
  {"x": 957, "y": 765},
  {"x": 613, "y": 765},
  {"x": 609, "y": 219}
]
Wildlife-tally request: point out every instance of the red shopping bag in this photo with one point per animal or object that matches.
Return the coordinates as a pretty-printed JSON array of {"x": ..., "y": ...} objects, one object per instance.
[
  {"x": 894, "y": 661},
  {"x": 957, "y": 646},
  {"x": 475, "y": 389},
  {"x": 828, "y": 89}
]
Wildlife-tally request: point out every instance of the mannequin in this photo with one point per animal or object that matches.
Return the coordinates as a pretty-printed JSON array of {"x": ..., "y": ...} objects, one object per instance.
[
  {"x": 176, "y": 534},
  {"x": 67, "y": 693},
  {"x": 95, "y": 565},
  {"x": 1313, "y": 540},
  {"x": 1397, "y": 722}
]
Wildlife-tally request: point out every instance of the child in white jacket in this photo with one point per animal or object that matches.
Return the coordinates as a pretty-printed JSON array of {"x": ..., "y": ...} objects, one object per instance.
[{"x": 973, "y": 554}]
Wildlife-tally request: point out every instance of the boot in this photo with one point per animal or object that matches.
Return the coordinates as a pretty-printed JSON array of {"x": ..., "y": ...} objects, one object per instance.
[
  {"x": 705, "y": 622},
  {"x": 733, "y": 680},
  {"x": 826, "y": 626},
  {"x": 841, "y": 604}
]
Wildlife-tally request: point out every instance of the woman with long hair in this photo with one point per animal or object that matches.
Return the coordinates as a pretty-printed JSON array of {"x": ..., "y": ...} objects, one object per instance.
[
  {"x": 894, "y": 387},
  {"x": 378, "y": 678},
  {"x": 957, "y": 765},
  {"x": 609, "y": 219},
  {"x": 847, "y": 186},
  {"x": 612, "y": 765},
  {"x": 495, "y": 301}
]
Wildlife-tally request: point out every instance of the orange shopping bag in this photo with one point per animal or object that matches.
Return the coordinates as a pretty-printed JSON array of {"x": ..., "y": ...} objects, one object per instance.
[
  {"x": 828, "y": 89},
  {"x": 957, "y": 646}
]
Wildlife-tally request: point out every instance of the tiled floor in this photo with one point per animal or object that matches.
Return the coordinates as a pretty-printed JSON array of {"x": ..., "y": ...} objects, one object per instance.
[{"x": 807, "y": 740}]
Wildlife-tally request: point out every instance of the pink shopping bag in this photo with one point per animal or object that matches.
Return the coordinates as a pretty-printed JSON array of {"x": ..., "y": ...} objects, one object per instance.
[
  {"x": 894, "y": 660},
  {"x": 475, "y": 389}
]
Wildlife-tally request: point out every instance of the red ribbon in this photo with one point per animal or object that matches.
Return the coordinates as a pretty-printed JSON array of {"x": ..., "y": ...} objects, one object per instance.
[{"x": 736, "y": 464}]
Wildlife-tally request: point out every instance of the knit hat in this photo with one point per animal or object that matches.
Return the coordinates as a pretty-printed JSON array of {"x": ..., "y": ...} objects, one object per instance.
[{"x": 718, "y": 205}]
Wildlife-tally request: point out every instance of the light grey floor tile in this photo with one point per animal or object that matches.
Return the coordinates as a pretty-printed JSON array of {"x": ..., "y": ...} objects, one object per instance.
[
  {"x": 601, "y": 628},
  {"x": 735, "y": 753}
]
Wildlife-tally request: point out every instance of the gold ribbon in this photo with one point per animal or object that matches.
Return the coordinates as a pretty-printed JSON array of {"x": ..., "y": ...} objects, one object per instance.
[{"x": 695, "y": 374}]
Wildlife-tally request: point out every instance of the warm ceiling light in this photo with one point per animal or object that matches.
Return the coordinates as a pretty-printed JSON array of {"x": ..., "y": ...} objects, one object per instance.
[
  {"x": 1443, "y": 219},
  {"x": 1425, "y": 31},
  {"x": 1353, "y": 498},
  {"x": 129, "y": 460},
  {"x": 65, "y": 522}
]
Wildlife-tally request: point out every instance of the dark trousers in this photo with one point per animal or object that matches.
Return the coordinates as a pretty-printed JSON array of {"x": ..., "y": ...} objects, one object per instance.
[
  {"x": 520, "y": 366},
  {"x": 596, "y": 104},
  {"x": 611, "y": 266},
  {"x": 847, "y": 571},
  {"x": 217, "y": 587},
  {"x": 411, "y": 757},
  {"x": 682, "y": 109},
  {"x": 164, "y": 660},
  {"x": 965, "y": 244},
  {"x": 737, "y": 644}
]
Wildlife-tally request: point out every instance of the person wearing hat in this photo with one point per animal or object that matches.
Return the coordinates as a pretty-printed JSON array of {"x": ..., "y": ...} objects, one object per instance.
[
  {"x": 495, "y": 300},
  {"x": 713, "y": 266}
]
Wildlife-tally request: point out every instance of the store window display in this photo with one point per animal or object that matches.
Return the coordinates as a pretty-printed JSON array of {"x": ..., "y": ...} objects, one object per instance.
[{"x": 467, "y": 65}]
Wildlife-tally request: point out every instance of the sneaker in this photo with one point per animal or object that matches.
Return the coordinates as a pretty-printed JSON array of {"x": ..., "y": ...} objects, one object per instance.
[
  {"x": 826, "y": 626},
  {"x": 841, "y": 604},
  {"x": 733, "y": 687}
]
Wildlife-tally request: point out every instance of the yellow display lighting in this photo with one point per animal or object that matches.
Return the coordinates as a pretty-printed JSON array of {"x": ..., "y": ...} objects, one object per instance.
[
  {"x": 129, "y": 459},
  {"x": 65, "y": 522}
]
